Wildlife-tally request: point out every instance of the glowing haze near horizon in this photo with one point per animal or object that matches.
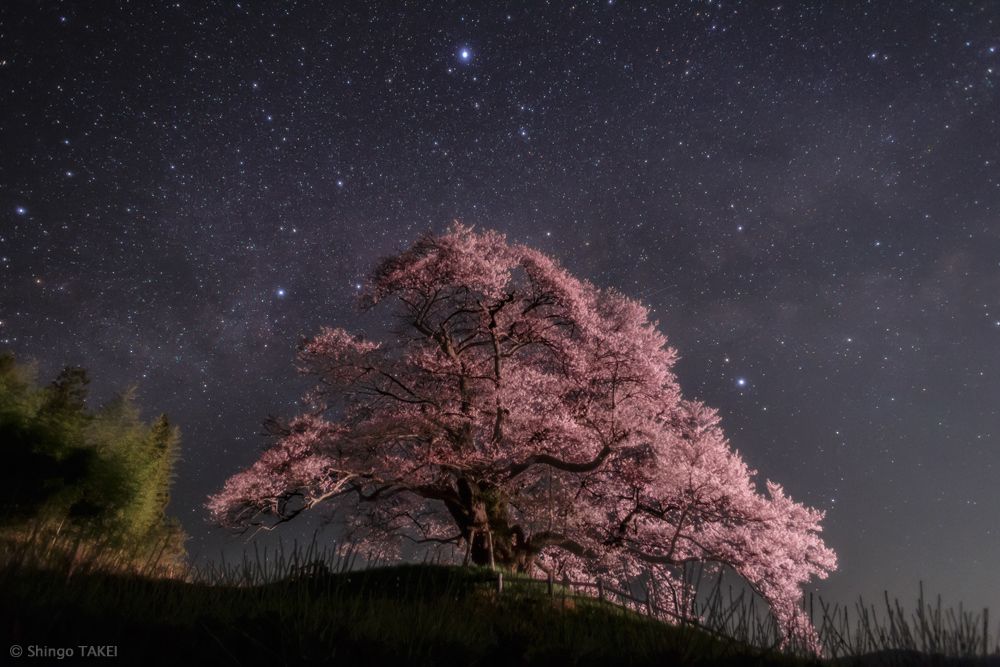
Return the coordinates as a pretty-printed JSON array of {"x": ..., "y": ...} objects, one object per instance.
[{"x": 805, "y": 194}]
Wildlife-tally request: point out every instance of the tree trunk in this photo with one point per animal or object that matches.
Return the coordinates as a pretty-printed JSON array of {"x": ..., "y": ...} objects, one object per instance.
[{"x": 484, "y": 520}]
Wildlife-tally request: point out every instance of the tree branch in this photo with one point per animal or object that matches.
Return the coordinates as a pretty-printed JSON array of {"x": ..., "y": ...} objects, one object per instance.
[{"x": 567, "y": 466}]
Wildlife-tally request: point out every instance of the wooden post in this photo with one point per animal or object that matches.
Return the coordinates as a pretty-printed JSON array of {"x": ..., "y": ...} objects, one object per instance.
[
  {"x": 489, "y": 539},
  {"x": 649, "y": 601},
  {"x": 499, "y": 582},
  {"x": 600, "y": 590},
  {"x": 468, "y": 546},
  {"x": 550, "y": 585}
]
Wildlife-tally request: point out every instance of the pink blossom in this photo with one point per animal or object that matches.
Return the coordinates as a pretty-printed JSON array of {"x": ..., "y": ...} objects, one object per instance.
[{"x": 519, "y": 415}]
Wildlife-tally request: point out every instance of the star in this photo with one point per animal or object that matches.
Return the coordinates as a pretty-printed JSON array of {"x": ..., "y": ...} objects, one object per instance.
[{"x": 586, "y": 140}]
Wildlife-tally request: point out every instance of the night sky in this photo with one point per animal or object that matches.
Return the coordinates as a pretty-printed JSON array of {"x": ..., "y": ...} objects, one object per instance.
[{"x": 807, "y": 195}]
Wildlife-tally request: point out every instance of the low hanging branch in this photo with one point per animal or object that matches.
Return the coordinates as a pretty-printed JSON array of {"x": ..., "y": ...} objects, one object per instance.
[{"x": 529, "y": 419}]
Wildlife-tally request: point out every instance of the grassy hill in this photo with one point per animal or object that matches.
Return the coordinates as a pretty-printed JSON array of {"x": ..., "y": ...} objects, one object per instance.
[
  {"x": 403, "y": 615},
  {"x": 412, "y": 615}
]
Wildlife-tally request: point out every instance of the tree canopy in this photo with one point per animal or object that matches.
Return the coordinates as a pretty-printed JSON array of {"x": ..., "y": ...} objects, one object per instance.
[
  {"x": 101, "y": 472},
  {"x": 524, "y": 417}
]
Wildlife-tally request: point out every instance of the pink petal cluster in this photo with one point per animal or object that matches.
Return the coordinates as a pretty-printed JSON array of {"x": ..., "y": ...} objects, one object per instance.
[{"x": 519, "y": 415}]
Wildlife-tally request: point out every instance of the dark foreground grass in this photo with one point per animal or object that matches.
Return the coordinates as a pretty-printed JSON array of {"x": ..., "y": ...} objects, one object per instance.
[
  {"x": 406, "y": 615},
  {"x": 311, "y": 606}
]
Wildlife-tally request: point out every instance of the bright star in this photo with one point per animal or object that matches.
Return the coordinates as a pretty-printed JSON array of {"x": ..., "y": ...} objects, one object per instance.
[
  {"x": 280, "y": 292},
  {"x": 465, "y": 55},
  {"x": 741, "y": 382},
  {"x": 20, "y": 210}
]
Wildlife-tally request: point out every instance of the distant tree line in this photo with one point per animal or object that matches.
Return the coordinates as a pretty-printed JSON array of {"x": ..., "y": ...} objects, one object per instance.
[{"x": 103, "y": 474}]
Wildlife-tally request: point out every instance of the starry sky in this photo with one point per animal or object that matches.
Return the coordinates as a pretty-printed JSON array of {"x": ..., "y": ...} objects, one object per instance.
[{"x": 805, "y": 194}]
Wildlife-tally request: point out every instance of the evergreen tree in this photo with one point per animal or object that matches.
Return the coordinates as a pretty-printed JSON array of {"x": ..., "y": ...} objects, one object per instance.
[{"x": 104, "y": 473}]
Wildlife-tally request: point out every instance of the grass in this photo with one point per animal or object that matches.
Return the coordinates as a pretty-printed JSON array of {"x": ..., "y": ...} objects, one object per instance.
[
  {"x": 869, "y": 633},
  {"x": 410, "y": 614},
  {"x": 310, "y": 606}
]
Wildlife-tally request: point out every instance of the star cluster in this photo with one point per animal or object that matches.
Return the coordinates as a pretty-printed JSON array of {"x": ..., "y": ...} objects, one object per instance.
[{"x": 805, "y": 194}]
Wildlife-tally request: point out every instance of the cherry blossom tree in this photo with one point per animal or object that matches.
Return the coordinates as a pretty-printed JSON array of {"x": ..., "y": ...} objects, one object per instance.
[{"x": 526, "y": 419}]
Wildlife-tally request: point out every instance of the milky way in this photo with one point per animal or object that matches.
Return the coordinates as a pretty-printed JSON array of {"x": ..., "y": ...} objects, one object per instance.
[{"x": 805, "y": 194}]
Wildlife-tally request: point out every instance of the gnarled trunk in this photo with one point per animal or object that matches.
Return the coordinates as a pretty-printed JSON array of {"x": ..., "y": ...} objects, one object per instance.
[{"x": 483, "y": 518}]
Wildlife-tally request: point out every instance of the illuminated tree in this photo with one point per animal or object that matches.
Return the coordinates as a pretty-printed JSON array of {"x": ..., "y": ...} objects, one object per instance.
[{"x": 529, "y": 419}]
